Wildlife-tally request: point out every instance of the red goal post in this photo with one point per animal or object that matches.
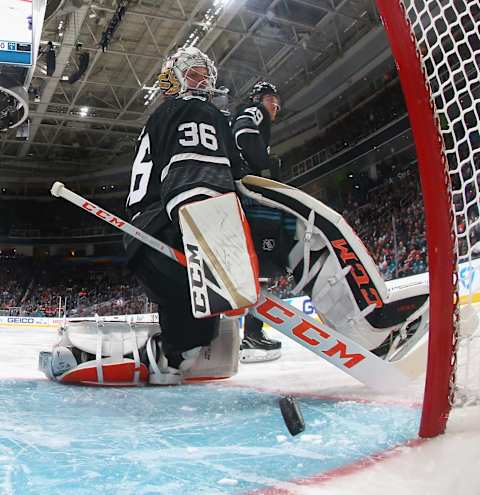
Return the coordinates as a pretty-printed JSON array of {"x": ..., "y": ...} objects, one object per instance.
[{"x": 436, "y": 47}]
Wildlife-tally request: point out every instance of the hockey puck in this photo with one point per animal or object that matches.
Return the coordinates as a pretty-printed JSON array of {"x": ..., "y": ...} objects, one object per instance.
[{"x": 292, "y": 415}]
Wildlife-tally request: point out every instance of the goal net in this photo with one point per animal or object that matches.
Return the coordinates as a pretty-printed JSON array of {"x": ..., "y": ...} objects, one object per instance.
[{"x": 436, "y": 47}]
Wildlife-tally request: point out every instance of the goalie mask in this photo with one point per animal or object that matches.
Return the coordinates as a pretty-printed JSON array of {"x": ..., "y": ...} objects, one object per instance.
[{"x": 188, "y": 71}]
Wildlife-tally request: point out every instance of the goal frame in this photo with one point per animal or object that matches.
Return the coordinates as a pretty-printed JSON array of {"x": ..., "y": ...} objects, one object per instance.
[{"x": 439, "y": 219}]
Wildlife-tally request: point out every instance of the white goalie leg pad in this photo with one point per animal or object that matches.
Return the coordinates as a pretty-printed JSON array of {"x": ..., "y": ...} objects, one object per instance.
[
  {"x": 221, "y": 262},
  {"x": 98, "y": 353},
  {"x": 394, "y": 316},
  {"x": 415, "y": 326},
  {"x": 347, "y": 289},
  {"x": 333, "y": 301}
]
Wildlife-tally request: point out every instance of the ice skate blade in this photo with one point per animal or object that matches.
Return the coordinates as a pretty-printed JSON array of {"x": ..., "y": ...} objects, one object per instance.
[{"x": 259, "y": 355}]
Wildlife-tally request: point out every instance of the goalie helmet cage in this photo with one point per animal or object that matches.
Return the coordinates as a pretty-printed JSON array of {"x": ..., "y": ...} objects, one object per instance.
[{"x": 436, "y": 47}]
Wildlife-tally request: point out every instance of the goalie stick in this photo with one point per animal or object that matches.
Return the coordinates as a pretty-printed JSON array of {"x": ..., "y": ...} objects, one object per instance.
[
  {"x": 310, "y": 333},
  {"x": 60, "y": 191}
]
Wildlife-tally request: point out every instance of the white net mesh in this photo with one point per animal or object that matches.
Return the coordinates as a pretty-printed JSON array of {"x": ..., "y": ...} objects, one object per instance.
[{"x": 448, "y": 45}]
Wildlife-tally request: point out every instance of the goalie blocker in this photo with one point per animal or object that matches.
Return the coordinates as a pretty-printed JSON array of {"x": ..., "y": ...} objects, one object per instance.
[{"x": 221, "y": 262}]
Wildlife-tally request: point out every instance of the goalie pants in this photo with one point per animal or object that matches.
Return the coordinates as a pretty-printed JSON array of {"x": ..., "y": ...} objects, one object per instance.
[
  {"x": 166, "y": 284},
  {"x": 272, "y": 234}
]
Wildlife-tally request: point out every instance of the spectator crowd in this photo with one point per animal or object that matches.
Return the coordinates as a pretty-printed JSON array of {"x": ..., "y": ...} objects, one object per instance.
[
  {"x": 55, "y": 287},
  {"x": 390, "y": 221}
]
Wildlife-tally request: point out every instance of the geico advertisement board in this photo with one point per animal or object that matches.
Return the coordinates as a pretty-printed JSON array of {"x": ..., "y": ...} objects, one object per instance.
[
  {"x": 28, "y": 321},
  {"x": 41, "y": 322}
]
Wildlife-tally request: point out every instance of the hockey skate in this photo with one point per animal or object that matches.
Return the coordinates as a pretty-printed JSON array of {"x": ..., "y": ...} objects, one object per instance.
[
  {"x": 216, "y": 361},
  {"x": 256, "y": 347}
]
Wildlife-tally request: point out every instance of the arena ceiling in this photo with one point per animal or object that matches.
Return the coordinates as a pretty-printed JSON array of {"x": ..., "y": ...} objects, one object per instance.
[{"x": 314, "y": 50}]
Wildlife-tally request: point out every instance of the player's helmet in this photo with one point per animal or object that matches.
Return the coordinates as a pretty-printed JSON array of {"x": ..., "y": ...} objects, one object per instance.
[
  {"x": 173, "y": 80},
  {"x": 261, "y": 89}
]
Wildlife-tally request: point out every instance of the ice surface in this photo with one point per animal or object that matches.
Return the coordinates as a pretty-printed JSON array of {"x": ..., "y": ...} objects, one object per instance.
[{"x": 223, "y": 438}]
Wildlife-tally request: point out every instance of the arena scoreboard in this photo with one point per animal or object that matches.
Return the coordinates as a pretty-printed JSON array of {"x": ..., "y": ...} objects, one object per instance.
[{"x": 16, "y": 38}]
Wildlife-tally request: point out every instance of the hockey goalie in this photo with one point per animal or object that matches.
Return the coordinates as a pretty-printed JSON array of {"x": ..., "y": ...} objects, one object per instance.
[
  {"x": 183, "y": 193},
  {"x": 328, "y": 262}
]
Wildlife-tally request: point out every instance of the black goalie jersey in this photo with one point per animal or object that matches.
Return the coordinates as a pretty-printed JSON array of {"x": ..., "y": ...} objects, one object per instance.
[{"x": 185, "y": 151}]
